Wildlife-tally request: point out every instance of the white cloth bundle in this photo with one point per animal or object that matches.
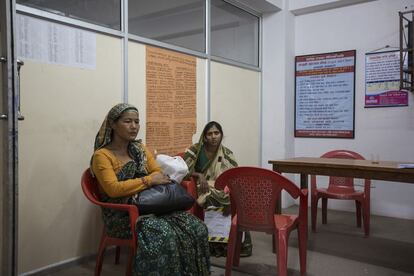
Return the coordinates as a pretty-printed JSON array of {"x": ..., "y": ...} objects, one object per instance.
[{"x": 174, "y": 166}]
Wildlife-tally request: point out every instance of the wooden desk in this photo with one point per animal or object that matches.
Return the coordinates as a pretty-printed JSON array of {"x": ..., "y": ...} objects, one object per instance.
[{"x": 384, "y": 170}]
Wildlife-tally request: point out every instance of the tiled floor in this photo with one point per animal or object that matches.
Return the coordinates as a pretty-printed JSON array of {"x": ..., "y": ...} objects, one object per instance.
[{"x": 339, "y": 248}]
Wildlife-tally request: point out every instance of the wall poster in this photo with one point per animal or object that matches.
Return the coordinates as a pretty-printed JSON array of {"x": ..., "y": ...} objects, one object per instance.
[
  {"x": 325, "y": 95},
  {"x": 382, "y": 80},
  {"x": 53, "y": 43},
  {"x": 171, "y": 100}
]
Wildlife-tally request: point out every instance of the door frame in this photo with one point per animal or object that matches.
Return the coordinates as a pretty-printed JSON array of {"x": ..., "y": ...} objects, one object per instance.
[{"x": 8, "y": 134}]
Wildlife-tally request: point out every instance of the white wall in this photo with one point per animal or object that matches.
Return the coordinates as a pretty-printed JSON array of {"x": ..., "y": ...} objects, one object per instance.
[
  {"x": 277, "y": 88},
  {"x": 63, "y": 107},
  {"x": 235, "y": 96},
  {"x": 388, "y": 132}
]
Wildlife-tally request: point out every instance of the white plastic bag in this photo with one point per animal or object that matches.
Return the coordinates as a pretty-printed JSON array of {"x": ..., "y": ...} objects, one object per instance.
[{"x": 174, "y": 166}]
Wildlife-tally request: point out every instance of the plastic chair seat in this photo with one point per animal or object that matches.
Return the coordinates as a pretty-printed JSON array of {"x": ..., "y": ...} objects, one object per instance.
[{"x": 286, "y": 221}]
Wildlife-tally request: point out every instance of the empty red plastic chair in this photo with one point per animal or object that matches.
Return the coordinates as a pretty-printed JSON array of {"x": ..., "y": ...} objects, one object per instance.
[
  {"x": 254, "y": 193},
  {"x": 90, "y": 189},
  {"x": 341, "y": 188}
]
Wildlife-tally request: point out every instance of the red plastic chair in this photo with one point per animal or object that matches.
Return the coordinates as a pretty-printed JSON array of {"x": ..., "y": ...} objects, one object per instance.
[
  {"x": 90, "y": 189},
  {"x": 341, "y": 188},
  {"x": 254, "y": 193},
  {"x": 190, "y": 184}
]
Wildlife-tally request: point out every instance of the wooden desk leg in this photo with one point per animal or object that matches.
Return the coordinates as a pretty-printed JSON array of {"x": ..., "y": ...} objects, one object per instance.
[
  {"x": 303, "y": 181},
  {"x": 304, "y": 185},
  {"x": 279, "y": 202}
]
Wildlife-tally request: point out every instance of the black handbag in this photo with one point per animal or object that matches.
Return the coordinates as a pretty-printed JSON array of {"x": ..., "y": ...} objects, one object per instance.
[{"x": 163, "y": 199}]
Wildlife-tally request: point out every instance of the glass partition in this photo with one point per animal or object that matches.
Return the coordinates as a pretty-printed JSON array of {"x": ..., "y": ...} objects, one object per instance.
[
  {"x": 234, "y": 33},
  {"x": 178, "y": 22}
]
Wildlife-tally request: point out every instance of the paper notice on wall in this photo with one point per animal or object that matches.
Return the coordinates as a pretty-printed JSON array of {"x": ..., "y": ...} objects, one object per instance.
[
  {"x": 324, "y": 95},
  {"x": 48, "y": 42},
  {"x": 171, "y": 100},
  {"x": 382, "y": 80}
]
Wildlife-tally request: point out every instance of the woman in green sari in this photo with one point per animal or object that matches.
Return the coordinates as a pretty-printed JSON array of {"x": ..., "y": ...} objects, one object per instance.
[
  {"x": 206, "y": 160},
  {"x": 171, "y": 244}
]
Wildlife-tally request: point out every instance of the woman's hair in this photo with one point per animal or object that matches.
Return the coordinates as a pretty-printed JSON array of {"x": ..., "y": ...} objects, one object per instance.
[{"x": 210, "y": 125}]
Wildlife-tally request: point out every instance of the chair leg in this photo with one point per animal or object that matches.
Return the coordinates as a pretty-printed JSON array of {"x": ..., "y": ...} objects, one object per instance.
[
  {"x": 132, "y": 252},
  {"x": 314, "y": 211},
  {"x": 358, "y": 212},
  {"x": 302, "y": 240},
  {"x": 324, "y": 210},
  {"x": 231, "y": 247},
  {"x": 99, "y": 256},
  {"x": 236, "y": 258},
  {"x": 117, "y": 254},
  {"x": 282, "y": 248}
]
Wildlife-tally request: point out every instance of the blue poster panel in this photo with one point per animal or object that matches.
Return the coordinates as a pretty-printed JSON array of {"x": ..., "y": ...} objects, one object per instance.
[{"x": 325, "y": 95}]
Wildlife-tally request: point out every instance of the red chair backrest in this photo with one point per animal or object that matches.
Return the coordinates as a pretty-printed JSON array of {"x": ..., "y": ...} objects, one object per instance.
[
  {"x": 254, "y": 193},
  {"x": 90, "y": 187},
  {"x": 342, "y": 154}
]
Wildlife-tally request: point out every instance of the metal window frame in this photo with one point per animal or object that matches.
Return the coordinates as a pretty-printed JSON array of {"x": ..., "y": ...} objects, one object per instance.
[
  {"x": 123, "y": 33},
  {"x": 126, "y": 37}
]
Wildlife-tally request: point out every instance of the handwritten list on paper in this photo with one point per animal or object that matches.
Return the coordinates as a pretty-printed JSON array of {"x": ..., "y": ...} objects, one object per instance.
[{"x": 171, "y": 100}]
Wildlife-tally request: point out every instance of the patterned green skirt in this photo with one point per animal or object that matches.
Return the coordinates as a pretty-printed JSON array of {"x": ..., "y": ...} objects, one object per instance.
[{"x": 173, "y": 244}]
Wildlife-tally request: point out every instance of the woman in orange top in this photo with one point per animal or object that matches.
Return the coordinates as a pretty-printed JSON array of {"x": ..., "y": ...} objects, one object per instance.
[{"x": 172, "y": 244}]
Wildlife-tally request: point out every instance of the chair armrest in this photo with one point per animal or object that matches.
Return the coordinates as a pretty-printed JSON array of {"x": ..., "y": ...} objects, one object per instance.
[
  {"x": 131, "y": 209},
  {"x": 117, "y": 206},
  {"x": 191, "y": 186}
]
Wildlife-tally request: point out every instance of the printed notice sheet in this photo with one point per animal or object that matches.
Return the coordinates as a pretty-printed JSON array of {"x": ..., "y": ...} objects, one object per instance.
[
  {"x": 217, "y": 224},
  {"x": 48, "y": 42},
  {"x": 324, "y": 95},
  {"x": 382, "y": 80},
  {"x": 171, "y": 100}
]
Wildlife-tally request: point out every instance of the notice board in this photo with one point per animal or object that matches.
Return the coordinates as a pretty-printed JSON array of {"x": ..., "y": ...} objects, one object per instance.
[
  {"x": 325, "y": 95},
  {"x": 170, "y": 101}
]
